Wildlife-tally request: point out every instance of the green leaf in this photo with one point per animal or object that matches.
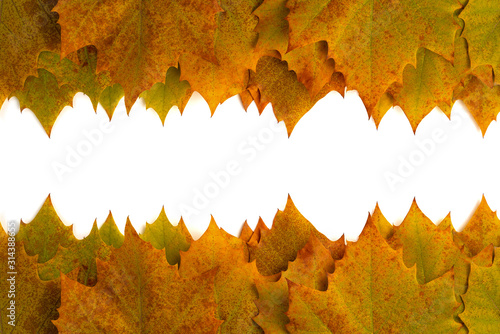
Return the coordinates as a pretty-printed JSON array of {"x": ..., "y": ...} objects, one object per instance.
[
  {"x": 163, "y": 235},
  {"x": 43, "y": 235}
]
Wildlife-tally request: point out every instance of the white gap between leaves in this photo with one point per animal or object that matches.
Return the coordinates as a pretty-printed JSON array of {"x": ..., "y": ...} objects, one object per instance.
[{"x": 239, "y": 165}]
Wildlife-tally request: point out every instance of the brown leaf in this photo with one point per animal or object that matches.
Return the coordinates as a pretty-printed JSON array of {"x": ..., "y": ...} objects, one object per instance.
[
  {"x": 372, "y": 291},
  {"x": 142, "y": 292},
  {"x": 27, "y": 28},
  {"x": 35, "y": 301},
  {"x": 139, "y": 40},
  {"x": 371, "y": 42}
]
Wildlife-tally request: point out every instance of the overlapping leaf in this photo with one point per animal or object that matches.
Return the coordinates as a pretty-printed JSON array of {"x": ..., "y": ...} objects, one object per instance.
[
  {"x": 139, "y": 40},
  {"x": 373, "y": 291},
  {"x": 26, "y": 29},
  {"x": 142, "y": 291},
  {"x": 45, "y": 233},
  {"x": 481, "y": 313},
  {"x": 34, "y": 301}
]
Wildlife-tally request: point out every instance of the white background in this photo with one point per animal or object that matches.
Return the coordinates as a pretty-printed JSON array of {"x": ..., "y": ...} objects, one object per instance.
[{"x": 238, "y": 165}]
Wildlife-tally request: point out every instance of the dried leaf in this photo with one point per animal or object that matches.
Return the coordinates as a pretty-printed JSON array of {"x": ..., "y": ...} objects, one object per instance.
[
  {"x": 163, "y": 235},
  {"x": 372, "y": 291},
  {"x": 139, "y": 40},
  {"x": 481, "y": 31},
  {"x": 428, "y": 246},
  {"x": 35, "y": 301},
  {"x": 26, "y": 29},
  {"x": 110, "y": 233},
  {"x": 81, "y": 254},
  {"x": 481, "y": 230},
  {"x": 43, "y": 235},
  {"x": 163, "y": 96},
  {"x": 235, "y": 281},
  {"x": 482, "y": 101},
  {"x": 481, "y": 313},
  {"x": 428, "y": 85},
  {"x": 45, "y": 97},
  {"x": 142, "y": 292},
  {"x": 372, "y": 41}
]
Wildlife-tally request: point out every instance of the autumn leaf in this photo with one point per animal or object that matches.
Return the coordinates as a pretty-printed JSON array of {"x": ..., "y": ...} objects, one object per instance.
[
  {"x": 481, "y": 230},
  {"x": 482, "y": 18},
  {"x": 289, "y": 234},
  {"x": 426, "y": 86},
  {"x": 482, "y": 101},
  {"x": 312, "y": 66},
  {"x": 235, "y": 40},
  {"x": 260, "y": 228},
  {"x": 110, "y": 233},
  {"x": 163, "y": 96},
  {"x": 36, "y": 301},
  {"x": 426, "y": 245},
  {"x": 45, "y": 97},
  {"x": 110, "y": 97},
  {"x": 26, "y": 29},
  {"x": 272, "y": 305},
  {"x": 246, "y": 232},
  {"x": 385, "y": 228},
  {"x": 235, "y": 280},
  {"x": 139, "y": 40},
  {"x": 312, "y": 265},
  {"x": 142, "y": 292},
  {"x": 81, "y": 254},
  {"x": 279, "y": 86},
  {"x": 43, "y": 235},
  {"x": 78, "y": 70},
  {"x": 372, "y": 291},
  {"x": 462, "y": 267},
  {"x": 481, "y": 313},
  {"x": 372, "y": 41},
  {"x": 272, "y": 26},
  {"x": 163, "y": 235}
]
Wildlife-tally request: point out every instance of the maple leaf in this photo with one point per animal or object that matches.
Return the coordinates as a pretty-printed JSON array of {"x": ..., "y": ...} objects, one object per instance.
[
  {"x": 142, "y": 291},
  {"x": 272, "y": 305},
  {"x": 235, "y": 281},
  {"x": 289, "y": 234},
  {"x": 77, "y": 70},
  {"x": 279, "y": 86},
  {"x": 45, "y": 98},
  {"x": 81, "y": 254},
  {"x": 246, "y": 232},
  {"x": 482, "y": 18},
  {"x": 110, "y": 233},
  {"x": 372, "y": 291},
  {"x": 36, "y": 301},
  {"x": 139, "y": 39},
  {"x": 110, "y": 97},
  {"x": 428, "y": 85},
  {"x": 371, "y": 41},
  {"x": 481, "y": 230},
  {"x": 312, "y": 65},
  {"x": 163, "y": 235},
  {"x": 43, "y": 235},
  {"x": 482, "y": 101},
  {"x": 481, "y": 313},
  {"x": 312, "y": 265},
  {"x": 385, "y": 228},
  {"x": 272, "y": 26},
  {"x": 428, "y": 246},
  {"x": 462, "y": 268},
  {"x": 163, "y": 96},
  {"x": 235, "y": 41},
  {"x": 26, "y": 29}
]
